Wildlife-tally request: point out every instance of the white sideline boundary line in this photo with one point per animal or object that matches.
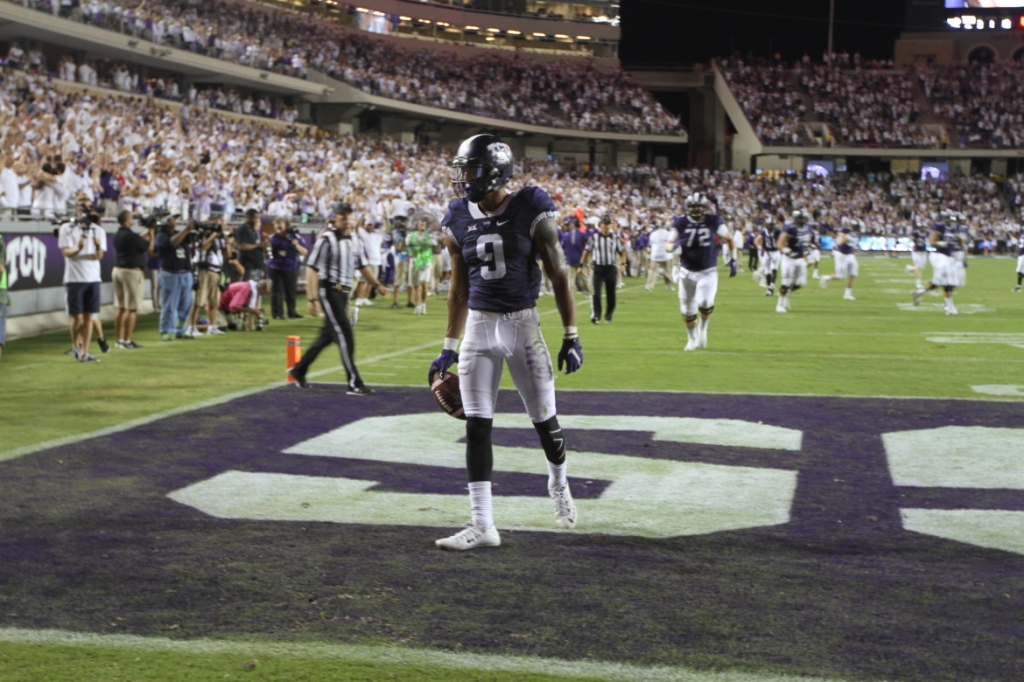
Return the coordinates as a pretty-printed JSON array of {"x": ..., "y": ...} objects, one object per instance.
[{"x": 614, "y": 672}]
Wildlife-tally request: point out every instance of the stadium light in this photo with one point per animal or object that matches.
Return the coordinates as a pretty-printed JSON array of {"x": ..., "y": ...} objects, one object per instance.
[
  {"x": 513, "y": 32},
  {"x": 583, "y": 39},
  {"x": 494, "y": 30},
  {"x": 362, "y": 9},
  {"x": 540, "y": 35},
  {"x": 443, "y": 23},
  {"x": 1006, "y": 24},
  {"x": 561, "y": 36},
  {"x": 472, "y": 28},
  {"x": 378, "y": 14},
  {"x": 404, "y": 18}
]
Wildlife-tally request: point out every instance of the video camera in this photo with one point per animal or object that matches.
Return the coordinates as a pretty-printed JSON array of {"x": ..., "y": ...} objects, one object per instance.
[
  {"x": 152, "y": 220},
  {"x": 209, "y": 228}
]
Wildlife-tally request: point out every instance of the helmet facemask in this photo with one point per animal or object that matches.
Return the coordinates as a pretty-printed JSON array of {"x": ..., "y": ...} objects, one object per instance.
[{"x": 472, "y": 180}]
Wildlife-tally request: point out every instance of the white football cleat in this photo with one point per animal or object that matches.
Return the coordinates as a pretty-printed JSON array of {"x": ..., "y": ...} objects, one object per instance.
[
  {"x": 213, "y": 331},
  {"x": 565, "y": 509},
  {"x": 471, "y": 537},
  {"x": 823, "y": 282},
  {"x": 916, "y": 295},
  {"x": 952, "y": 311},
  {"x": 848, "y": 297},
  {"x": 692, "y": 344},
  {"x": 702, "y": 338},
  {"x": 780, "y": 307}
]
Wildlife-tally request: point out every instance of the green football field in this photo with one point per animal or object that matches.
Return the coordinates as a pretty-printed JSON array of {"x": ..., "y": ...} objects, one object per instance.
[{"x": 876, "y": 346}]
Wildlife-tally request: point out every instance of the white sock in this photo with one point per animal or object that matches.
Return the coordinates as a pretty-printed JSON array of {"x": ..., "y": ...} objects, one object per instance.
[
  {"x": 480, "y": 504},
  {"x": 556, "y": 474},
  {"x": 849, "y": 291},
  {"x": 704, "y": 324},
  {"x": 692, "y": 333}
]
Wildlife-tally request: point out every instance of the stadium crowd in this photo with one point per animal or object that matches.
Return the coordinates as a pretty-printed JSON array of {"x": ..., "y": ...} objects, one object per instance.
[
  {"x": 563, "y": 93},
  {"x": 982, "y": 101},
  {"x": 876, "y": 104},
  {"x": 119, "y": 76},
  {"x": 770, "y": 102},
  {"x": 140, "y": 155}
]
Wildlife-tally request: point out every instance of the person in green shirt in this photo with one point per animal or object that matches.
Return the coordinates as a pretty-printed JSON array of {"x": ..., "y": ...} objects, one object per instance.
[
  {"x": 421, "y": 247},
  {"x": 5, "y": 297}
]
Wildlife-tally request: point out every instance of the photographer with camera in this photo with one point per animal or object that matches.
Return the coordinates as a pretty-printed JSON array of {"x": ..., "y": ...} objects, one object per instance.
[
  {"x": 83, "y": 242},
  {"x": 210, "y": 255},
  {"x": 130, "y": 252},
  {"x": 286, "y": 248},
  {"x": 250, "y": 243},
  {"x": 175, "y": 278}
]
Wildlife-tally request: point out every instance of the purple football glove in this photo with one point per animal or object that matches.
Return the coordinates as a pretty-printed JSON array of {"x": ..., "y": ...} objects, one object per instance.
[
  {"x": 732, "y": 268},
  {"x": 442, "y": 363},
  {"x": 571, "y": 355}
]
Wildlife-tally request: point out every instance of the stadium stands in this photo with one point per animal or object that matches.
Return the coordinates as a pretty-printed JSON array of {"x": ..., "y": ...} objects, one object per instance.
[
  {"x": 970, "y": 106},
  {"x": 564, "y": 93},
  {"x": 297, "y": 170}
]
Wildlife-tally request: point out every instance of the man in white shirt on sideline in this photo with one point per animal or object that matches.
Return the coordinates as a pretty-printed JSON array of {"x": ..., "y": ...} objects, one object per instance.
[
  {"x": 659, "y": 259},
  {"x": 371, "y": 234},
  {"x": 83, "y": 243}
]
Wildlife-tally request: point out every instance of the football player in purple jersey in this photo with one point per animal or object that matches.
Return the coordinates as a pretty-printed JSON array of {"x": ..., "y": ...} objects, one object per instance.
[
  {"x": 919, "y": 252},
  {"x": 495, "y": 238},
  {"x": 845, "y": 254},
  {"x": 694, "y": 234},
  {"x": 947, "y": 266},
  {"x": 767, "y": 241},
  {"x": 794, "y": 244}
]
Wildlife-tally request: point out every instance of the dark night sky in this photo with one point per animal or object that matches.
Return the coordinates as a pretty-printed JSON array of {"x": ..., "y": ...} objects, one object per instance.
[{"x": 688, "y": 31}]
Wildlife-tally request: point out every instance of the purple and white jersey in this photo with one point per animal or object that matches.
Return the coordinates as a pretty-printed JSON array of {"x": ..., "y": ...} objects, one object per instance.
[
  {"x": 770, "y": 238},
  {"x": 697, "y": 241},
  {"x": 799, "y": 240},
  {"x": 947, "y": 234},
  {"x": 850, "y": 245},
  {"x": 920, "y": 239},
  {"x": 498, "y": 248},
  {"x": 1020, "y": 244}
]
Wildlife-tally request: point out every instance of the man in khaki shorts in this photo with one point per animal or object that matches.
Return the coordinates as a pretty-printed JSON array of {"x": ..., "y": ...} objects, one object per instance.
[{"x": 130, "y": 253}]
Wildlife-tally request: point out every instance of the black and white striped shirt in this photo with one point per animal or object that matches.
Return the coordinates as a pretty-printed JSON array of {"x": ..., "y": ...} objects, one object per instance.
[
  {"x": 605, "y": 249},
  {"x": 335, "y": 258}
]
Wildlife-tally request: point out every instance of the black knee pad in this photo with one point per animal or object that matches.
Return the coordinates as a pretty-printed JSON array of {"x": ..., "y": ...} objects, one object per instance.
[
  {"x": 948, "y": 289},
  {"x": 706, "y": 311},
  {"x": 691, "y": 318},
  {"x": 551, "y": 439}
]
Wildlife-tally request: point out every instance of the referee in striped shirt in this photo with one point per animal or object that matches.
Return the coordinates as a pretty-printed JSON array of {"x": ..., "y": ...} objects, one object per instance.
[
  {"x": 603, "y": 250},
  {"x": 335, "y": 257}
]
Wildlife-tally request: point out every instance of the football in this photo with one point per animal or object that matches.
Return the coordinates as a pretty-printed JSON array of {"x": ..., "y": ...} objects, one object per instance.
[{"x": 447, "y": 395}]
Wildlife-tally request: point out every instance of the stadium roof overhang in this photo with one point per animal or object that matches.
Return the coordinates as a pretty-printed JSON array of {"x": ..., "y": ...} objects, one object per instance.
[
  {"x": 20, "y": 22},
  {"x": 342, "y": 93}
]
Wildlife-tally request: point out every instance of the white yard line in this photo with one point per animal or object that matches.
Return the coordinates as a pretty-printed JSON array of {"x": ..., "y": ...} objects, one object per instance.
[{"x": 386, "y": 655}]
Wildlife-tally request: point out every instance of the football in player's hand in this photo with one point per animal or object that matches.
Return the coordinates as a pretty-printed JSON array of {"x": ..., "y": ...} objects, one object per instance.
[{"x": 447, "y": 394}]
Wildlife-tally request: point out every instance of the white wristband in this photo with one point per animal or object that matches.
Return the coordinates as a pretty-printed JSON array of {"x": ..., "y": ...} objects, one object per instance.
[
  {"x": 571, "y": 332},
  {"x": 450, "y": 343}
]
